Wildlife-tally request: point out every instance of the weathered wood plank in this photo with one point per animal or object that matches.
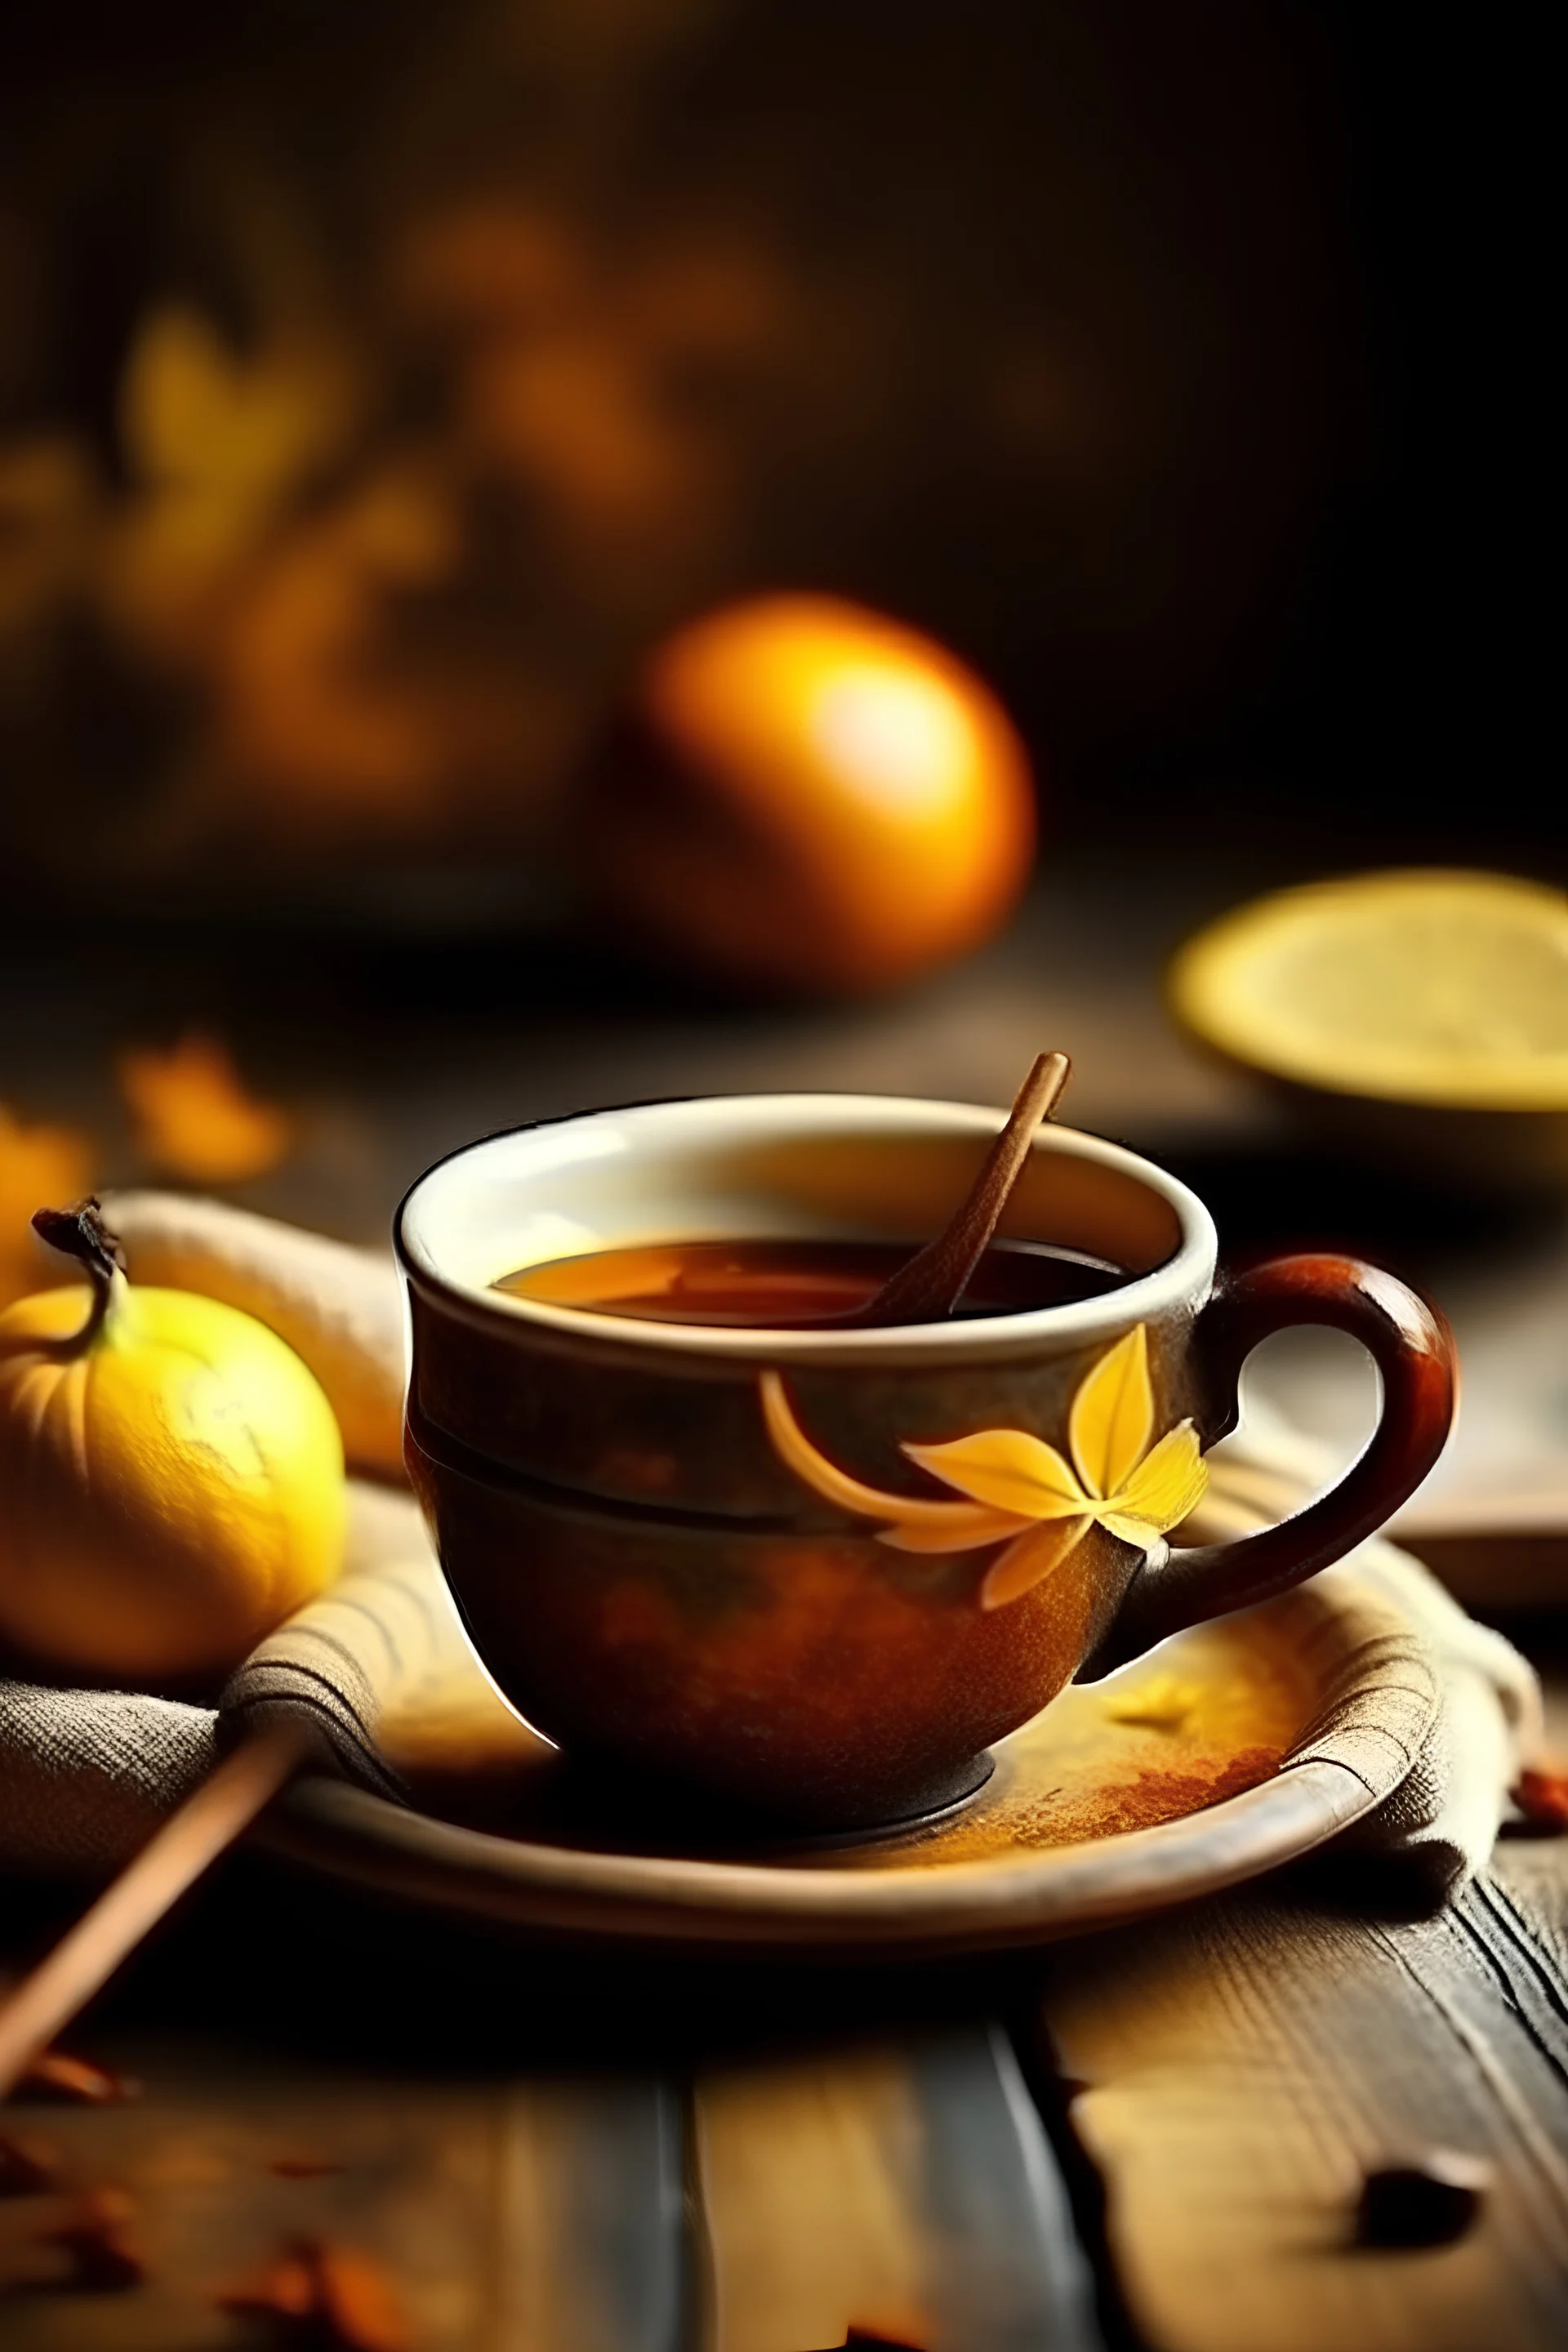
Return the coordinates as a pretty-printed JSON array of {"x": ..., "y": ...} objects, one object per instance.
[
  {"x": 506, "y": 2218},
  {"x": 907, "y": 2189},
  {"x": 590, "y": 2242},
  {"x": 1245, "y": 2062}
]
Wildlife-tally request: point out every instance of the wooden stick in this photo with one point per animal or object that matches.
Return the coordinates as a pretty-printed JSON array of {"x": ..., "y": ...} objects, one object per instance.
[
  {"x": 932, "y": 1283},
  {"x": 174, "y": 1858}
]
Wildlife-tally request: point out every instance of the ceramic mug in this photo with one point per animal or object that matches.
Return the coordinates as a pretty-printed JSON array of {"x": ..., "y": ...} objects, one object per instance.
[{"x": 704, "y": 1551}]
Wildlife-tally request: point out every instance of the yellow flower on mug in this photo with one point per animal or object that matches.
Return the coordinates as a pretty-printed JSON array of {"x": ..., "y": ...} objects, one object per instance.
[{"x": 1021, "y": 1490}]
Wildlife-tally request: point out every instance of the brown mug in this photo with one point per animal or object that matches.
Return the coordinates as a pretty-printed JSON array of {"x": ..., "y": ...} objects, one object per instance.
[{"x": 705, "y": 1551}]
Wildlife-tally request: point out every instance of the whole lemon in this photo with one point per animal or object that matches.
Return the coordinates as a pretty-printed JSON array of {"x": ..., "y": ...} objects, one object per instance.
[
  {"x": 805, "y": 794},
  {"x": 171, "y": 1475}
]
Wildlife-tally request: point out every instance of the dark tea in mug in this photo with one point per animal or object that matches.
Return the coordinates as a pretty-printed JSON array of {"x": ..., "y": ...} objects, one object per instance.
[
  {"x": 699, "y": 1532},
  {"x": 784, "y": 1286}
]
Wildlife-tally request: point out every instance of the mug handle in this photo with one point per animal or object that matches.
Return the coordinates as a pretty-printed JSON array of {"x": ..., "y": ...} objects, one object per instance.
[{"x": 1413, "y": 1349}]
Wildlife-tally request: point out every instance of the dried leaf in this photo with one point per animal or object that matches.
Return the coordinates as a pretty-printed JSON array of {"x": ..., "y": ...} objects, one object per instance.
[
  {"x": 102, "y": 2260},
  {"x": 201, "y": 419},
  {"x": 1113, "y": 1416},
  {"x": 285, "y": 2290},
  {"x": 1166, "y": 1485},
  {"x": 1542, "y": 1797},
  {"x": 1029, "y": 1558},
  {"x": 194, "y": 1117},
  {"x": 56, "y": 2076},
  {"x": 331, "y": 2296},
  {"x": 75, "y": 2242},
  {"x": 1009, "y": 1470},
  {"x": 360, "y": 2303}
]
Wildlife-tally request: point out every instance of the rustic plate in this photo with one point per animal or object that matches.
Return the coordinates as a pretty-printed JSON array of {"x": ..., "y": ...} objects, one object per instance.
[{"x": 1193, "y": 1769}]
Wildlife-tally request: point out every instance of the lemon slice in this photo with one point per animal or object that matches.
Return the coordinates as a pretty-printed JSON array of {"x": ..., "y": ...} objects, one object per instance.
[{"x": 1422, "y": 986}]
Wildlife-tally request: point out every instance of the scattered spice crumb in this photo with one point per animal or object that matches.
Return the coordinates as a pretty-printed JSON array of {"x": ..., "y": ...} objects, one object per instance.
[
  {"x": 65, "y": 2081},
  {"x": 1159, "y": 1703},
  {"x": 1543, "y": 1797},
  {"x": 328, "y": 2296},
  {"x": 1432, "y": 2200},
  {"x": 103, "y": 2261},
  {"x": 28, "y": 2167},
  {"x": 284, "y": 2290},
  {"x": 1154, "y": 1797},
  {"x": 1148, "y": 1799}
]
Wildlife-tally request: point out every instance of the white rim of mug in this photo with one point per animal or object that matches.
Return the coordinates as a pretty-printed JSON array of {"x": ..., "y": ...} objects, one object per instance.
[{"x": 1181, "y": 1279}]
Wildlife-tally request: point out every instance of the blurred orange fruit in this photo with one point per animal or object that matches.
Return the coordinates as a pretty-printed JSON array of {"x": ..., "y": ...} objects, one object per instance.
[{"x": 809, "y": 795}]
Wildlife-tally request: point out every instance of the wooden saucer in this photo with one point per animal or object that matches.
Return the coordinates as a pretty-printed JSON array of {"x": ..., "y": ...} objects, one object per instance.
[{"x": 1175, "y": 1777}]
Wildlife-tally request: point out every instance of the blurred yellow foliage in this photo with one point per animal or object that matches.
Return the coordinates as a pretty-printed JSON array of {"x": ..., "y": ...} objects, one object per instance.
[
  {"x": 218, "y": 442},
  {"x": 193, "y": 1115},
  {"x": 382, "y": 561}
]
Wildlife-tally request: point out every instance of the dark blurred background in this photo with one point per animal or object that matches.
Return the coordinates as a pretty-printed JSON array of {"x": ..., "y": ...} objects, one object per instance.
[
  {"x": 379, "y": 386},
  {"x": 378, "y": 383}
]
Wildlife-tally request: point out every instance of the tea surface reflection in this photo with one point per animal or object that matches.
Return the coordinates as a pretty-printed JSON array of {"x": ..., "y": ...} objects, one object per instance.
[{"x": 783, "y": 1286}]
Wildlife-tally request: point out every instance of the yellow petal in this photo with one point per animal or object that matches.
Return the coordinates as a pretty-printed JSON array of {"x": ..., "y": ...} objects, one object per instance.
[
  {"x": 851, "y": 1493},
  {"x": 1127, "y": 1529},
  {"x": 1157, "y": 1703},
  {"x": 1167, "y": 1484},
  {"x": 1113, "y": 1416},
  {"x": 1027, "y": 1558},
  {"x": 1007, "y": 1469},
  {"x": 977, "y": 1526}
]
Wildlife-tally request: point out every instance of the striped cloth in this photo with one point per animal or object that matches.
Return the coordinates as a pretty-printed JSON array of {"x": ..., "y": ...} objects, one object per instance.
[{"x": 85, "y": 1775}]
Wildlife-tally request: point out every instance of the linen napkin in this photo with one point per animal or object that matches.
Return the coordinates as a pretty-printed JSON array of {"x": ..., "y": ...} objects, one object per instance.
[
  {"x": 85, "y": 1776},
  {"x": 1456, "y": 1709}
]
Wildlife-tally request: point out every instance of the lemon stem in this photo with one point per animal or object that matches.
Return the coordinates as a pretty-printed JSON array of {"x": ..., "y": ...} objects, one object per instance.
[{"x": 81, "y": 1233}]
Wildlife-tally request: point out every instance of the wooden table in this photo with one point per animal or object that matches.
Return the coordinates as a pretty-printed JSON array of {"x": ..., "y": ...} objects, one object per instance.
[{"x": 1156, "y": 2137}]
